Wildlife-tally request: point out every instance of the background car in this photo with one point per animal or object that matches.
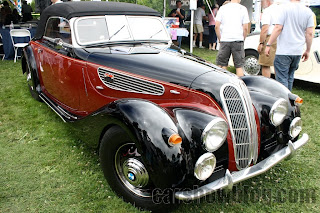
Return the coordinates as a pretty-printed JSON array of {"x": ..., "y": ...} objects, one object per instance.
[
  {"x": 162, "y": 119},
  {"x": 307, "y": 71}
]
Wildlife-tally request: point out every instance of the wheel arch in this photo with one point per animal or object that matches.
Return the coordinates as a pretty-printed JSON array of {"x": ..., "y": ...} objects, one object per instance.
[
  {"x": 251, "y": 49},
  {"x": 28, "y": 59},
  {"x": 149, "y": 126}
]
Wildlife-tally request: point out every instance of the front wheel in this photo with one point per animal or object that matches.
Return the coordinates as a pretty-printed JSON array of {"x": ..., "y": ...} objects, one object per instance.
[
  {"x": 125, "y": 171},
  {"x": 251, "y": 65}
]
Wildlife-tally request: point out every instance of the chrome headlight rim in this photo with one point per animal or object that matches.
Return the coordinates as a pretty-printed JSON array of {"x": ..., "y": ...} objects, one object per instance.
[
  {"x": 209, "y": 127},
  {"x": 275, "y": 106},
  {"x": 199, "y": 165},
  {"x": 293, "y": 125}
]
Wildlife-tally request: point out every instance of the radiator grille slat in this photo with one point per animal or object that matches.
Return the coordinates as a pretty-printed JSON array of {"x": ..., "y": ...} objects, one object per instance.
[
  {"x": 129, "y": 83},
  {"x": 241, "y": 124}
]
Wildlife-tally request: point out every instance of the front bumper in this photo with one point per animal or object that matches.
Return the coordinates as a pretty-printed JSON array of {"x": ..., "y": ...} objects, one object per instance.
[{"x": 229, "y": 179}]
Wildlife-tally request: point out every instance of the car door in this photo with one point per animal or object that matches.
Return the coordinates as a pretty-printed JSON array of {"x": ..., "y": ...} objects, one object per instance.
[{"x": 61, "y": 73}]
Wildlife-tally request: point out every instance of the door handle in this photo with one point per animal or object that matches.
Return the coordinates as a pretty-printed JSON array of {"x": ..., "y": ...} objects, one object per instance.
[
  {"x": 174, "y": 92},
  {"x": 99, "y": 87}
]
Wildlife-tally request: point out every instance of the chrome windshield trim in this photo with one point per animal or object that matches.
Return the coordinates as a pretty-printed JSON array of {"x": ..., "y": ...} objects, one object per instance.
[
  {"x": 232, "y": 178},
  {"x": 75, "y": 36}
]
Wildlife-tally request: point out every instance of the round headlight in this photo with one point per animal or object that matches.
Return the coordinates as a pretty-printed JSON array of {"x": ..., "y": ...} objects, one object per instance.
[
  {"x": 295, "y": 127},
  {"x": 214, "y": 134},
  {"x": 205, "y": 166},
  {"x": 278, "y": 112}
]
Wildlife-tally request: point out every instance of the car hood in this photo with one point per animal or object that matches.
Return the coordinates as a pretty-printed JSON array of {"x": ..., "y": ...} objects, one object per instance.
[{"x": 165, "y": 63}]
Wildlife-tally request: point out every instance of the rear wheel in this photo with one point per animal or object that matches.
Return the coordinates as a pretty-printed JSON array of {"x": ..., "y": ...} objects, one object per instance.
[
  {"x": 31, "y": 82},
  {"x": 125, "y": 171},
  {"x": 251, "y": 65}
]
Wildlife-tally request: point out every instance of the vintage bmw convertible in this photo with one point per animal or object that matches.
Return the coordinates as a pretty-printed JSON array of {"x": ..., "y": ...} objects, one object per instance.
[{"x": 160, "y": 117}]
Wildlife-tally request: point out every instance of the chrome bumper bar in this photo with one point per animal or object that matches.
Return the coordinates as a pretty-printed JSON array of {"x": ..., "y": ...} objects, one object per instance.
[{"x": 229, "y": 179}]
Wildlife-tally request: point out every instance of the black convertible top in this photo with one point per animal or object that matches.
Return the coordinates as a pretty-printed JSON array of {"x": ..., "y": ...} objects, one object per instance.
[{"x": 90, "y": 8}]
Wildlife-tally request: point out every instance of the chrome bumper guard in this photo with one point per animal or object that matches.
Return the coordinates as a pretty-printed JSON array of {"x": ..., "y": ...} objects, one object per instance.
[{"x": 229, "y": 179}]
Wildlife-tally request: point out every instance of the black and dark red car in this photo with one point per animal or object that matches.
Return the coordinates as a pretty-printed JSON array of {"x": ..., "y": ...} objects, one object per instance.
[{"x": 160, "y": 117}]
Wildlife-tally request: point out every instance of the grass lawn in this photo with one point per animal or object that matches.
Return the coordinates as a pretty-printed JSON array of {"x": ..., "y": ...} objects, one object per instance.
[{"x": 44, "y": 168}]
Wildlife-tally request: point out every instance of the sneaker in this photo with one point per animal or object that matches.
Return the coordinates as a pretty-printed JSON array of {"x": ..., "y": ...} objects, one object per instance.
[
  {"x": 194, "y": 45},
  {"x": 201, "y": 47}
]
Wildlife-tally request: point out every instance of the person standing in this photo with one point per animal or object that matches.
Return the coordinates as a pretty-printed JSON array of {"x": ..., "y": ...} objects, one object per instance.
[
  {"x": 232, "y": 28},
  {"x": 199, "y": 15},
  {"x": 268, "y": 19},
  {"x": 5, "y": 10},
  {"x": 180, "y": 13},
  {"x": 212, "y": 31},
  {"x": 26, "y": 12},
  {"x": 294, "y": 28}
]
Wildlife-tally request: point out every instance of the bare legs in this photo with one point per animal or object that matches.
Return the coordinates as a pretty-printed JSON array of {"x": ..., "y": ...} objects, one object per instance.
[
  {"x": 195, "y": 39},
  {"x": 239, "y": 71},
  {"x": 266, "y": 71}
]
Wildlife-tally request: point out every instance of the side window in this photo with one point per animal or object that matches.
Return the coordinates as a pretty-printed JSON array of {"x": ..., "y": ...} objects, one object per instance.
[{"x": 58, "y": 28}]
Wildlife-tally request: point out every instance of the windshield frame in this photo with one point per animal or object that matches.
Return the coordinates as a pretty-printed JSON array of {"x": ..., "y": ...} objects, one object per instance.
[{"x": 124, "y": 41}]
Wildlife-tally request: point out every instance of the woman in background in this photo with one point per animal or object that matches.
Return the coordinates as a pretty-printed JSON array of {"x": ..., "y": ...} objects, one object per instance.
[{"x": 212, "y": 23}]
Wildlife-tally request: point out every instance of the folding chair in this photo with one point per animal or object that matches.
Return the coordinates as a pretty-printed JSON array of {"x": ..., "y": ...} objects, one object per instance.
[{"x": 15, "y": 33}]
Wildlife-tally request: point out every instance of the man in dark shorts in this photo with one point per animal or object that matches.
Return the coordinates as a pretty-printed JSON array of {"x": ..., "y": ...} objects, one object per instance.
[{"x": 231, "y": 31}]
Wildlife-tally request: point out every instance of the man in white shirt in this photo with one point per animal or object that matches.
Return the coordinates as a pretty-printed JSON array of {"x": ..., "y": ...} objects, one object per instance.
[
  {"x": 199, "y": 15},
  {"x": 294, "y": 28},
  {"x": 268, "y": 19},
  {"x": 231, "y": 29}
]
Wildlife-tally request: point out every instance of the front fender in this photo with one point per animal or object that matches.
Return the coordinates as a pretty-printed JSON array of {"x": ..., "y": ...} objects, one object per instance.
[
  {"x": 266, "y": 86},
  {"x": 150, "y": 123},
  {"x": 264, "y": 93},
  {"x": 149, "y": 126},
  {"x": 192, "y": 123}
]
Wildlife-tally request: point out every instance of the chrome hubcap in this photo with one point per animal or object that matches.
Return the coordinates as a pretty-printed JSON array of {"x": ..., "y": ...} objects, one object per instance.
[
  {"x": 136, "y": 173},
  {"x": 131, "y": 170},
  {"x": 252, "y": 66}
]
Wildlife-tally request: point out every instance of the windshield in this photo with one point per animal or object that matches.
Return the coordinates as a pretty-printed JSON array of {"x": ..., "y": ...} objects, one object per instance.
[{"x": 119, "y": 28}]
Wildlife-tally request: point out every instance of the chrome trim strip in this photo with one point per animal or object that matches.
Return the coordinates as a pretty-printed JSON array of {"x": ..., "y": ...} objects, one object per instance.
[
  {"x": 45, "y": 101},
  {"x": 230, "y": 179},
  {"x": 84, "y": 81}
]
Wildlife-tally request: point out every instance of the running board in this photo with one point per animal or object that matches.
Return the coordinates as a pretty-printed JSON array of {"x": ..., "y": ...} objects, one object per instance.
[{"x": 62, "y": 113}]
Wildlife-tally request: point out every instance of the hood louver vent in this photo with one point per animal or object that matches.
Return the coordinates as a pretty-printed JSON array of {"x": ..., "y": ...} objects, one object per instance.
[{"x": 122, "y": 82}]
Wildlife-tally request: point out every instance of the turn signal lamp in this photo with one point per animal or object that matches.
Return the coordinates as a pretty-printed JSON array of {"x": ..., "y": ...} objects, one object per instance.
[
  {"x": 298, "y": 101},
  {"x": 175, "y": 139}
]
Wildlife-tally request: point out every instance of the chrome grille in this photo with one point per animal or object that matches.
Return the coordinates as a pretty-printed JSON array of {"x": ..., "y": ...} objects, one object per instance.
[
  {"x": 239, "y": 111},
  {"x": 118, "y": 81}
]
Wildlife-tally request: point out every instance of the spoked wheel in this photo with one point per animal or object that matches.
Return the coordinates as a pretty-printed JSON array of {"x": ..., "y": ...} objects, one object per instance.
[
  {"x": 252, "y": 66},
  {"x": 125, "y": 171}
]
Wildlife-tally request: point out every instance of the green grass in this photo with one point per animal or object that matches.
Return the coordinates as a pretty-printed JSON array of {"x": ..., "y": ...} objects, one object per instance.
[{"x": 44, "y": 168}]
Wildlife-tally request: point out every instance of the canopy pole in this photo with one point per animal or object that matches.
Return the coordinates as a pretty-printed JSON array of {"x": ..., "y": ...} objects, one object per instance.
[
  {"x": 164, "y": 8},
  {"x": 209, "y": 6},
  {"x": 257, "y": 14},
  {"x": 191, "y": 32}
]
